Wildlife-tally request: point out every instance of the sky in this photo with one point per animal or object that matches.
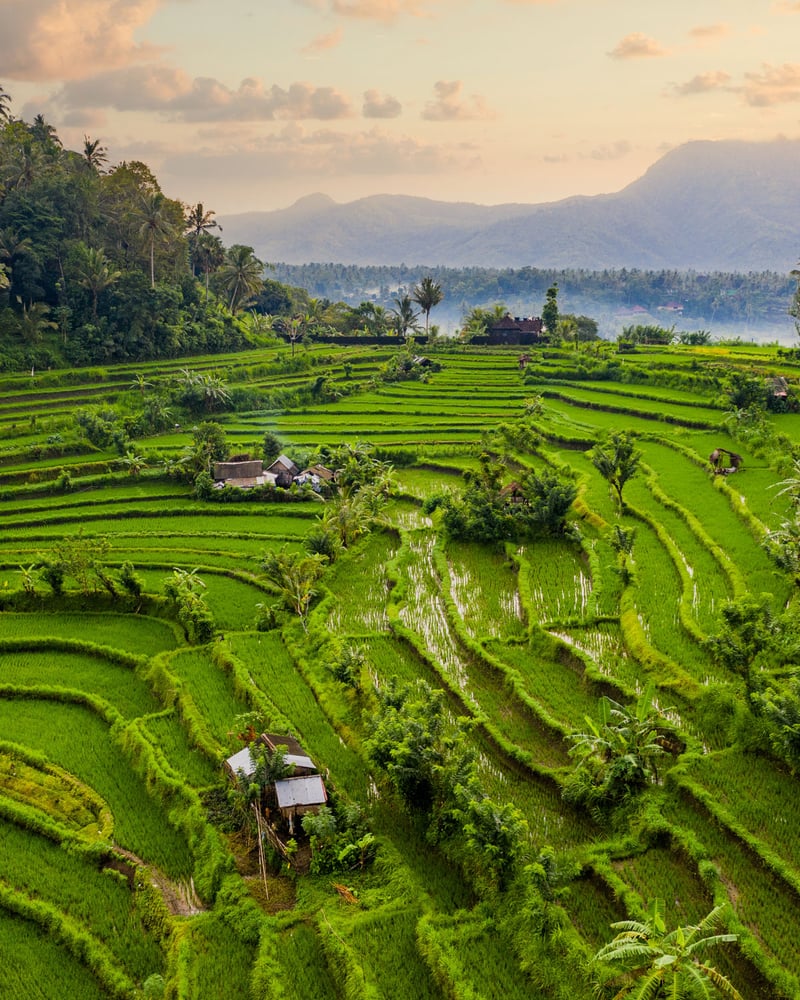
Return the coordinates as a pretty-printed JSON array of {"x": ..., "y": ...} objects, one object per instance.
[{"x": 249, "y": 105}]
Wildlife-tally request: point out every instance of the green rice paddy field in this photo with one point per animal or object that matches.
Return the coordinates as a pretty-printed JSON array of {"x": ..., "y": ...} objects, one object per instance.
[{"x": 119, "y": 874}]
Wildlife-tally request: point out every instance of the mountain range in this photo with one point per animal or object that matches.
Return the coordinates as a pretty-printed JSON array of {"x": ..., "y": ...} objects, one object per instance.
[{"x": 706, "y": 205}]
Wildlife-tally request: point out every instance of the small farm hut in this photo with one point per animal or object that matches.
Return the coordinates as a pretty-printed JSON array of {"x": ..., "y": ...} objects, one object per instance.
[
  {"x": 243, "y": 475},
  {"x": 241, "y": 764},
  {"x": 295, "y": 754},
  {"x": 297, "y": 797},
  {"x": 284, "y": 470}
]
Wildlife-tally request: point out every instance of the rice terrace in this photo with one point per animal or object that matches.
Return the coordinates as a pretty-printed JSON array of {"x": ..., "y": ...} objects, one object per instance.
[{"x": 538, "y": 647}]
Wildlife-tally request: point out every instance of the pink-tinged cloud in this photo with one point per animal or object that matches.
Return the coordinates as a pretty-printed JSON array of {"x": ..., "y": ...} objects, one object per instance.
[
  {"x": 710, "y": 32},
  {"x": 324, "y": 42},
  {"x": 773, "y": 85},
  {"x": 703, "y": 83},
  {"x": 174, "y": 94},
  {"x": 637, "y": 46},
  {"x": 450, "y": 106},
  {"x": 376, "y": 105},
  {"x": 59, "y": 40},
  {"x": 373, "y": 10}
]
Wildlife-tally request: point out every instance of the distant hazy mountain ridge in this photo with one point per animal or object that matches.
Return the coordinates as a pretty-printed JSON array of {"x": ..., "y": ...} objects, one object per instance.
[{"x": 727, "y": 206}]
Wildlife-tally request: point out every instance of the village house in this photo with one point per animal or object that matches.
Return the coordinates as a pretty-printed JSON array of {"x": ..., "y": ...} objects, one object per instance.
[
  {"x": 315, "y": 476},
  {"x": 516, "y": 330},
  {"x": 284, "y": 470},
  {"x": 243, "y": 475},
  {"x": 300, "y": 796}
]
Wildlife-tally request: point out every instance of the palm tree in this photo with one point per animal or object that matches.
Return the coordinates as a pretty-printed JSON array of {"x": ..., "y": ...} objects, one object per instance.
[
  {"x": 35, "y": 320},
  {"x": 208, "y": 254},
  {"x": 404, "y": 316},
  {"x": 43, "y": 131},
  {"x": 199, "y": 221},
  {"x": 5, "y": 104},
  {"x": 155, "y": 222},
  {"x": 96, "y": 156},
  {"x": 96, "y": 275},
  {"x": 427, "y": 294},
  {"x": 240, "y": 276},
  {"x": 617, "y": 461},
  {"x": 647, "y": 962}
]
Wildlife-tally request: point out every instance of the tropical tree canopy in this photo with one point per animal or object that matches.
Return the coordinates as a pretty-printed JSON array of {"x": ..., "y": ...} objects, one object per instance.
[{"x": 646, "y": 962}]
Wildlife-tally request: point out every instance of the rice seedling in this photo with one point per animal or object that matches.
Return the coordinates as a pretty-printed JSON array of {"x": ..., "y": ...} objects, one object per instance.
[
  {"x": 604, "y": 644},
  {"x": 115, "y": 683},
  {"x": 772, "y": 816},
  {"x": 761, "y": 900},
  {"x": 211, "y": 691},
  {"x": 98, "y": 899},
  {"x": 662, "y": 873},
  {"x": 593, "y": 907},
  {"x": 361, "y": 587},
  {"x": 36, "y": 966},
  {"x": 385, "y": 943},
  {"x": 215, "y": 959},
  {"x": 484, "y": 589},
  {"x": 557, "y": 581},
  {"x": 134, "y": 634},
  {"x": 75, "y": 739},
  {"x": 557, "y": 682},
  {"x": 167, "y": 733}
]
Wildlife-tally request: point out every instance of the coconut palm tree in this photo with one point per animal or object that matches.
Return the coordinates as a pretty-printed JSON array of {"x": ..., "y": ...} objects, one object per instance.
[
  {"x": 198, "y": 221},
  {"x": 427, "y": 294},
  {"x": 95, "y": 155},
  {"x": 404, "y": 318},
  {"x": 43, "y": 131},
  {"x": 5, "y": 104},
  {"x": 208, "y": 254},
  {"x": 240, "y": 276},
  {"x": 96, "y": 275},
  {"x": 647, "y": 962},
  {"x": 154, "y": 223}
]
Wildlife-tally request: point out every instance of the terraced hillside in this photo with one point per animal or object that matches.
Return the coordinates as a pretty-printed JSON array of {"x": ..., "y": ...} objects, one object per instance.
[{"x": 124, "y": 871}]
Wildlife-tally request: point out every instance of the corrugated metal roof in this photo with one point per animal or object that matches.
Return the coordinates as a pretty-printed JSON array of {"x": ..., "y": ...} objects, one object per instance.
[
  {"x": 300, "y": 761},
  {"x": 309, "y": 791},
  {"x": 242, "y": 761}
]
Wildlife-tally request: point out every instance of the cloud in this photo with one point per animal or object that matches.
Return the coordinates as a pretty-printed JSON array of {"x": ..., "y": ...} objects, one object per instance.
[
  {"x": 610, "y": 151},
  {"x": 637, "y": 46},
  {"x": 295, "y": 152},
  {"x": 710, "y": 32},
  {"x": 773, "y": 85},
  {"x": 787, "y": 7},
  {"x": 702, "y": 83},
  {"x": 448, "y": 105},
  {"x": 173, "y": 93},
  {"x": 372, "y": 10},
  {"x": 55, "y": 40},
  {"x": 323, "y": 43},
  {"x": 377, "y": 106}
]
